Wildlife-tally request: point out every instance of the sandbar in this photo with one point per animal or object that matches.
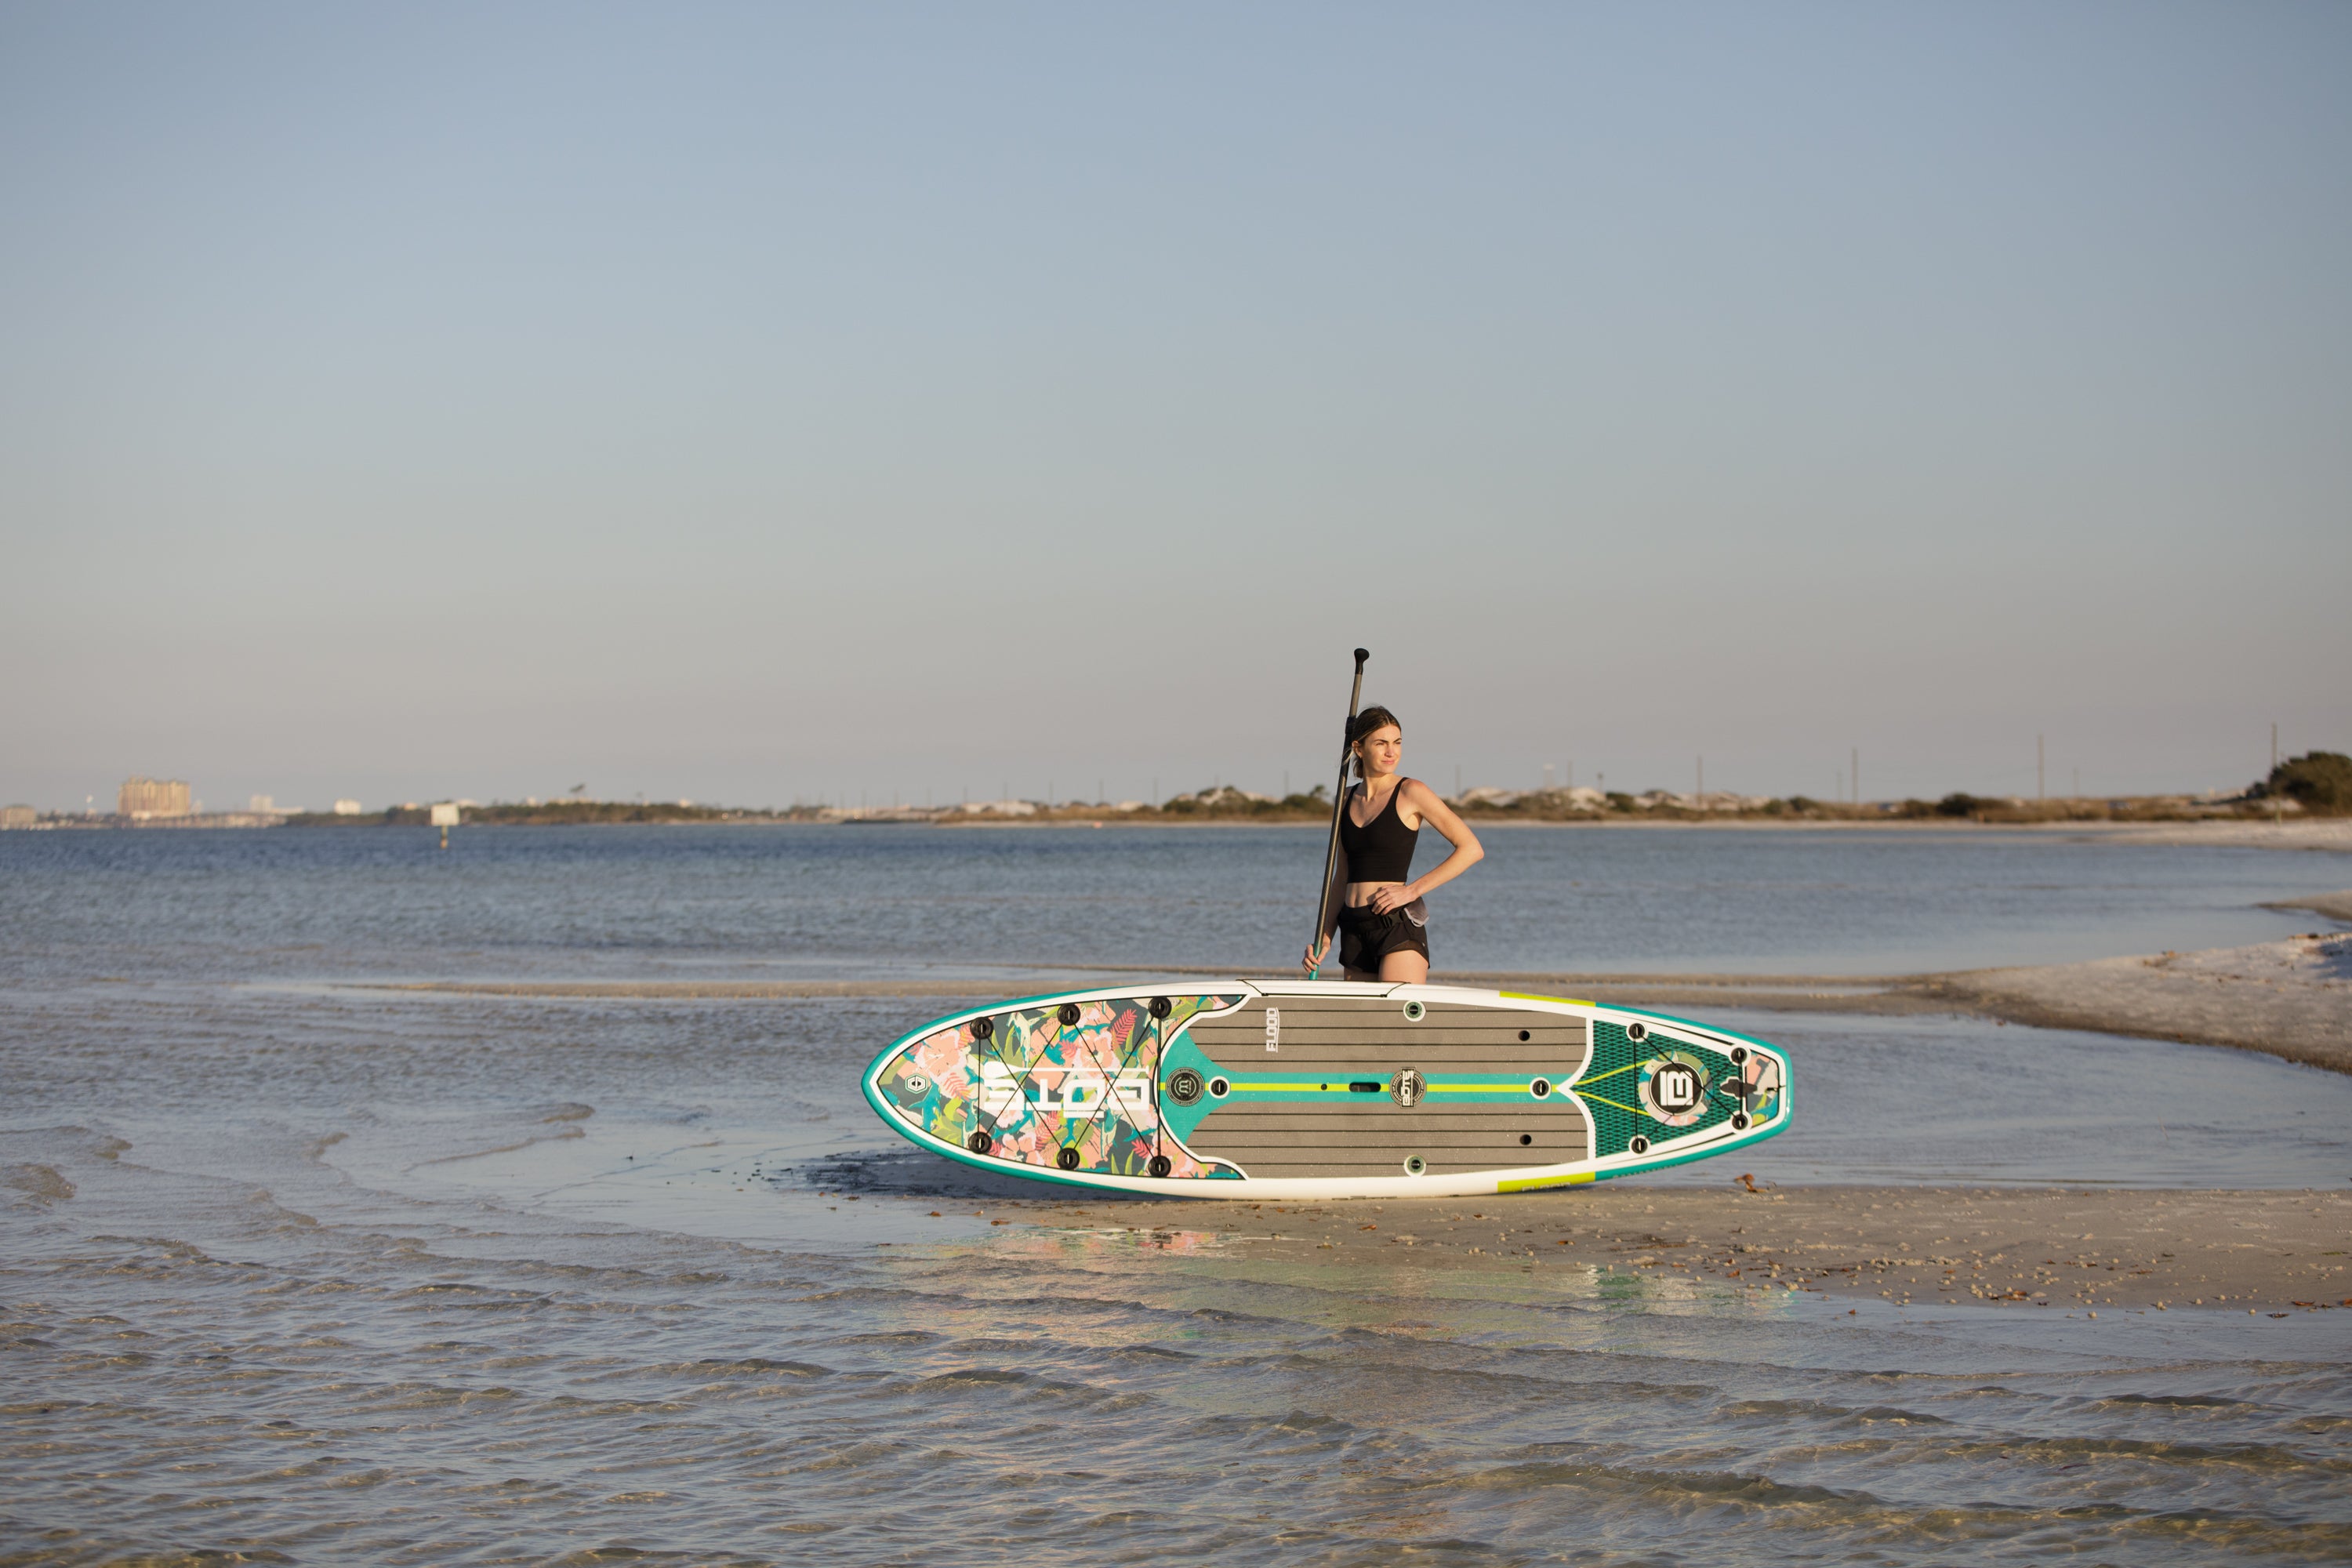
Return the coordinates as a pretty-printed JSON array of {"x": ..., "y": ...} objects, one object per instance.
[
  {"x": 2335, "y": 906},
  {"x": 2023, "y": 1248},
  {"x": 2290, "y": 998}
]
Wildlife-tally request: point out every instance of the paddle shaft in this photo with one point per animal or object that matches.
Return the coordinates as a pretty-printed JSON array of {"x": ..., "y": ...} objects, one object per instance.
[{"x": 1338, "y": 804}]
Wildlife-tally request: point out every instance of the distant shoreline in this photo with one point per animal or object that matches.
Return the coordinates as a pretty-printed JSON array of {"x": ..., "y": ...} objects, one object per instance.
[{"x": 2323, "y": 834}]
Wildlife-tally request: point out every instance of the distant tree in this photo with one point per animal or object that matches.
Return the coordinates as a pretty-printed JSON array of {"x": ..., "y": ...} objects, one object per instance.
[
  {"x": 2319, "y": 782},
  {"x": 1958, "y": 804}
]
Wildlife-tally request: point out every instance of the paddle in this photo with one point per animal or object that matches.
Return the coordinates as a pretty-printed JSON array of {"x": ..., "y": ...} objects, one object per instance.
[{"x": 1338, "y": 804}]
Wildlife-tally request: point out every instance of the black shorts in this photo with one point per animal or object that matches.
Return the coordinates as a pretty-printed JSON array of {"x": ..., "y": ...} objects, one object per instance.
[{"x": 1367, "y": 936}]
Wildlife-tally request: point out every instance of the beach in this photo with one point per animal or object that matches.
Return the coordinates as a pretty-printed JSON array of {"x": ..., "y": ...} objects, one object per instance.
[{"x": 365, "y": 1201}]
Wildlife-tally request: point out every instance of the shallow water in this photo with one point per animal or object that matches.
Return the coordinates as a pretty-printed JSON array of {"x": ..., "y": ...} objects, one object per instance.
[
  {"x": 779, "y": 900},
  {"x": 349, "y": 1275}
]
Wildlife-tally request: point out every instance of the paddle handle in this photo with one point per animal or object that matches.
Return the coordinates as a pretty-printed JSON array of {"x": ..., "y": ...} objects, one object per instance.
[{"x": 1338, "y": 804}]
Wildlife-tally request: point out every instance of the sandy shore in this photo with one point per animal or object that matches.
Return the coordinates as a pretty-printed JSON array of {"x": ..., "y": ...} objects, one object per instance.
[
  {"x": 2290, "y": 998},
  {"x": 2274, "y": 1252},
  {"x": 2323, "y": 834},
  {"x": 2335, "y": 906}
]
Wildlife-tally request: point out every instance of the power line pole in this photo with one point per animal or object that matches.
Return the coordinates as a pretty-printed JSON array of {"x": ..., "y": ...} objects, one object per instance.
[
  {"x": 2039, "y": 793},
  {"x": 1854, "y": 776},
  {"x": 1700, "y": 801},
  {"x": 2278, "y": 806}
]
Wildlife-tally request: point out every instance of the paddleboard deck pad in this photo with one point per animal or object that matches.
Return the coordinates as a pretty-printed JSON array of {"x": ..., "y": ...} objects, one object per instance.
[{"x": 1323, "y": 1090}]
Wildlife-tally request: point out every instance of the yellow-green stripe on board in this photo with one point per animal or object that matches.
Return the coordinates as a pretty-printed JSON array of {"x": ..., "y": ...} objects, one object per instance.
[{"x": 1530, "y": 1184}]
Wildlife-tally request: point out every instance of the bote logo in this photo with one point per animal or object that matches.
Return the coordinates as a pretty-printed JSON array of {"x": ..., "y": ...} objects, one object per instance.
[{"x": 1675, "y": 1088}]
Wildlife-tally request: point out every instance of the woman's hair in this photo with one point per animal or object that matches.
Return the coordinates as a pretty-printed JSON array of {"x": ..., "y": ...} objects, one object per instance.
[{"x": 1367, "y": 722}]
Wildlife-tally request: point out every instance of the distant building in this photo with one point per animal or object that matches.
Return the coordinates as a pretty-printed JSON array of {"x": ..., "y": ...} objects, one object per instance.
[
  {"x": 1004, "y": 807},
  {"x": 347, "y": 808},
  {"x": 139, "y": 799},
  {"x": 18, "y": 816}
]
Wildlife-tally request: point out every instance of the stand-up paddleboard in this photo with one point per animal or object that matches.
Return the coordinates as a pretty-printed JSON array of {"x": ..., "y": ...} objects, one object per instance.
[{"x": 1323, "y": 1090}]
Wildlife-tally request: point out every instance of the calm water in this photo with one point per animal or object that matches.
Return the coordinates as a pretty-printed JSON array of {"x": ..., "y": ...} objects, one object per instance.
[
  {"x": 647, "y": 901},
  {"x": 317, "y": 1273}
]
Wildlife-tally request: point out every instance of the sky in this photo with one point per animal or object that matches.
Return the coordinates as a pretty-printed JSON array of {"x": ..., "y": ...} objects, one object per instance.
[{"x": 768, "y": 403}]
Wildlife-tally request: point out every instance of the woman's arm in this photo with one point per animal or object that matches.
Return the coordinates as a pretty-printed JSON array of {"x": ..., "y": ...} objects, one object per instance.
[{"x": 1467, "y": 850}]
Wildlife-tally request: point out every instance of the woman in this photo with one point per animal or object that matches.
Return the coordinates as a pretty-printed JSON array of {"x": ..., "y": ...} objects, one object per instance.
[{"x": 1381, "y": 923}]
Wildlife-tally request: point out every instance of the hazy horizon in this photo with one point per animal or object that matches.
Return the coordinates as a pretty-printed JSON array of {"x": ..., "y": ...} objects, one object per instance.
[{"x": 747, "y": 405}]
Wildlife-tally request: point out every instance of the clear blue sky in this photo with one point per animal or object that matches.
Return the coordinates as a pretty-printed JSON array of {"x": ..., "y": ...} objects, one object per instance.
[{"x": 762, "y": 402}]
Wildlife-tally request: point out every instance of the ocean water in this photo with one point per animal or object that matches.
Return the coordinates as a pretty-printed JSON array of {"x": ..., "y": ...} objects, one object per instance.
[
  {"x": 648, "y": 902},
  {"x": 302, "y": 1269}
]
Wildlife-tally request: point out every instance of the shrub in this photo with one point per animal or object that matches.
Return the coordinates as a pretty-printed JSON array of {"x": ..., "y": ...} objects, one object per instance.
[
  {"x": 1958, "y": 804},
  {"x": 2319, "y": 782}
]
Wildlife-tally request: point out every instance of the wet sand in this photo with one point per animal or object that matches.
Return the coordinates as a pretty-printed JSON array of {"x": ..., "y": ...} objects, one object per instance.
[
  {"x": 2074, "y": 1251},
  {"x": 2290, "y": 998},
  {"x": 2335, "y": 906}
]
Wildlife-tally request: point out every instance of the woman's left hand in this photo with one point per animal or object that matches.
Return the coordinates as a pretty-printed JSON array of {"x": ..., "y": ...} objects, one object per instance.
[{"x": 1388, "y": 900}]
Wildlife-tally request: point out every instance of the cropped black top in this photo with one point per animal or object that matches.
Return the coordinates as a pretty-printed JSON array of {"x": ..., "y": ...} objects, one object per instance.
[{"x": 1381, "y": 849}]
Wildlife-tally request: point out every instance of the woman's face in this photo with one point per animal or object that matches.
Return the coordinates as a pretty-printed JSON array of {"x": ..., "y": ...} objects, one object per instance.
[{"x": 1382, "y": 749}]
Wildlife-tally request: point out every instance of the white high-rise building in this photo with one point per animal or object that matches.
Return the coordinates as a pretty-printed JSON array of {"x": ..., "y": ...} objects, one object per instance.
[{"x": 140, "y": 799}]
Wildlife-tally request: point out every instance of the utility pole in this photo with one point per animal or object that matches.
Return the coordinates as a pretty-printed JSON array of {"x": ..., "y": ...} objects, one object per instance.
[
  {"x": 2039, "y": 793},
  {"x": 1699, "y": 800},
  {"x": 2278, "y": 806},
  {"x": 1853, "y": 775}
]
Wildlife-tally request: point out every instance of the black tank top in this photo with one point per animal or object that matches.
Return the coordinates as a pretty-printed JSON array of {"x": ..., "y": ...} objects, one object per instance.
[{"x": 1381, "y": 849}]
